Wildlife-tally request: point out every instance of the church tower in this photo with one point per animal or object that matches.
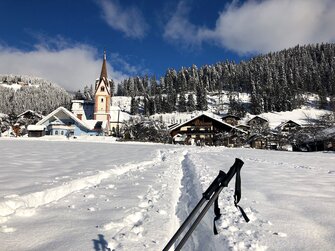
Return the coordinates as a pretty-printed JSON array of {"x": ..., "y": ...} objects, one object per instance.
[{"x": 102, "y": 94}]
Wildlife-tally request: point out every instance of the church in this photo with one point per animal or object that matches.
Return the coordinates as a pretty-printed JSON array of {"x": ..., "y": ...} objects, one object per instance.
[{"x": 87, "y": 117}]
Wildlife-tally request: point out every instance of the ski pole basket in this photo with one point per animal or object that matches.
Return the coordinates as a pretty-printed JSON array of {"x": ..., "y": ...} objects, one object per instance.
[{"x": 211, "y": 194}]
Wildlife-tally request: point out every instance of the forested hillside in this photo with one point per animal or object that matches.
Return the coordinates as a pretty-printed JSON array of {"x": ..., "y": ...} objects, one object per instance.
[
  {"x": 275, "y": 82},
  {"x": 20, "y": 93}
]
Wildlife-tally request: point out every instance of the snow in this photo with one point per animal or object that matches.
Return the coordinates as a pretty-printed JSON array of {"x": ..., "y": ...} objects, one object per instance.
[
  {"x": 36, "y": 127},
  {"x": 300, "y": 116},
  {"x": 94, "y": 193}
]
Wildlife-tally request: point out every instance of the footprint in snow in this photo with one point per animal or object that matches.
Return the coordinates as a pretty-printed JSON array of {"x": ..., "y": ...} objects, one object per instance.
[{"x": 280, "y": 234}]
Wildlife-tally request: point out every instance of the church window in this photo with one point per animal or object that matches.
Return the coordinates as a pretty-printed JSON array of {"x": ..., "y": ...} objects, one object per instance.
[{"x": 102, "y": 88}]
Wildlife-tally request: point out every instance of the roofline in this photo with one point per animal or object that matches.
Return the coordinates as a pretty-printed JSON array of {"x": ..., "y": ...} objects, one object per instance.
[
  {"x": 61, "y": 108},
  {"x": 40, "y": 115},
  {"x": 221, "y": 122}
]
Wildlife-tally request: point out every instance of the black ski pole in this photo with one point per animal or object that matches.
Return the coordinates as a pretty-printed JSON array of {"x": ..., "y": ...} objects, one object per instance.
[
  {"x": 206, "y": 196},
  {"x": 185, "y": 223},
  {"x": 198, "y": 219},
  {"x": 216, "y": 187}
]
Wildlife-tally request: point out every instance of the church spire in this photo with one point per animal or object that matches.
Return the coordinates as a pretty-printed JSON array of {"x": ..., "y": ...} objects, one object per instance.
[{"x": 103, "y": 73}]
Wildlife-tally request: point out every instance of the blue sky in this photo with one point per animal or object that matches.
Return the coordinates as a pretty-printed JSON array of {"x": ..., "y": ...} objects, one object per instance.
[{"x": 63, "y": 40}]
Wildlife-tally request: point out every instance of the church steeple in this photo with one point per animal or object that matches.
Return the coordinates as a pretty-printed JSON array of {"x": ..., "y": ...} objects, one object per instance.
[
  {"x": 103, "y": 73},
  {"x": 103, "y": 93}
]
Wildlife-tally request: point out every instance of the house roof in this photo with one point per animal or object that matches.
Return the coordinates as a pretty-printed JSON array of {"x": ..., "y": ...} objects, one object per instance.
[
  {"x": 67, "y": 113},
  {"x": 217, "y": 120},
  {"x": 231, "y": 116},
  {"x": 35, "y": 127},
  {"x": 257, "y": 117},
  {"x": 30, "y": 111},
  {"x": 286, "y": 122}
]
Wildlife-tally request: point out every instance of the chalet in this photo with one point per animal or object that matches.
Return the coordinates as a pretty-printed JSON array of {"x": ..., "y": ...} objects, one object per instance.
[
  {"x": 259, "y": 141},
  {"x": 258, "y": 121},
  {"x": 288, "y": 127},
  {"x": 204, "y": 129},
  {"x": 231, "y": 119},
  {"x": 30, "y": 115},
  {"x": 64, "y": 123}
]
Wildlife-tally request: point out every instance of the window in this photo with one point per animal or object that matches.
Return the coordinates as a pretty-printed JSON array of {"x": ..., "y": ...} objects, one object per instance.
[
  {"x": 102, "y": 100},
  {"x": 56, "y": 132},
  {"x": 62, "y": 132},
  {"x": 102, "y": 88}
]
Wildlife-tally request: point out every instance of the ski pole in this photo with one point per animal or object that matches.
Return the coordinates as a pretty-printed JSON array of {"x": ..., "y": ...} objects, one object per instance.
[
  {"x": 185, "y": 223},
  {"x": 198, "y": 219},
  {"x": 206, "y": 196},
  {"x": 216, "y": 187}
]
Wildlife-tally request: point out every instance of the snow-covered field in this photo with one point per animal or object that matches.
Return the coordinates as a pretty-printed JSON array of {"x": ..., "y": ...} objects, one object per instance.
[{"x": 76, "y": 195}]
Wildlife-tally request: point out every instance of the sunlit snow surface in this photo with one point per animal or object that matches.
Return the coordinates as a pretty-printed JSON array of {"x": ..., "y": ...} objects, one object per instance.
[{"x": 75, "y": 195}]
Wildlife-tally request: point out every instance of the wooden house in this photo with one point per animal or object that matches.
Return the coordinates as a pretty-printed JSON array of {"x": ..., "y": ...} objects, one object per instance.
[
  {"x": 205, "y": 130},
  {"x": 288, "y": 127},
  {"x": 231, "y": 119},
  {"x": 258, "y": 121}
]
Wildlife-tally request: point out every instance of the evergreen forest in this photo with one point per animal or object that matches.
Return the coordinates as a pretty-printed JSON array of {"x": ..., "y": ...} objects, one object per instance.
[{"x": 276, "y": 82}]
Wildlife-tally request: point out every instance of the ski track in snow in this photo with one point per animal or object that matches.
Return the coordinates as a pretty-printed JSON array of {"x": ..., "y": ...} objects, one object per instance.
[
  {"x": 126, "y": 203},
  {"x": 26, "y": 205},
  {"x": 234, "y": 232},
  {"x": 137, "y": 229}
]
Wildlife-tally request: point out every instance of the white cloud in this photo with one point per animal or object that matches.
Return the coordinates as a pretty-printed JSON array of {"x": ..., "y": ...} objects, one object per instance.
[
  {"x": 261, "y": 26},
  {"x": 128, "y": 20},
  {"x": 180, "y": 30},
  {"x": 71, "y": 67}
]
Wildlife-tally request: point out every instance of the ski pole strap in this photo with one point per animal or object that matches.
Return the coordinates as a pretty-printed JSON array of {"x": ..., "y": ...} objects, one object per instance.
[
  {"x": 217, "y": 214},
  {"x": 237, "y": 195}
]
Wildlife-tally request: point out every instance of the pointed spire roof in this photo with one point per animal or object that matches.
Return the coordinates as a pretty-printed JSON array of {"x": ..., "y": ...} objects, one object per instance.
[{"x": 103, "y": 73}]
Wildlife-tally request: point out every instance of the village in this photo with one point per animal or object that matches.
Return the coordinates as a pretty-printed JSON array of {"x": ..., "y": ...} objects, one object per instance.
[{"x": 99, "y": 117}]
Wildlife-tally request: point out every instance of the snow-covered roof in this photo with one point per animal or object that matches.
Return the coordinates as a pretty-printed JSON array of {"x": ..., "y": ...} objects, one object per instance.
[
  {"x": 30, "y": 111},
  {"x": 286, "y": 122},
  {"x": 217, "y": 120},
  {"x": 35, "y": 127},
  {"x": 67, "y": 113}
]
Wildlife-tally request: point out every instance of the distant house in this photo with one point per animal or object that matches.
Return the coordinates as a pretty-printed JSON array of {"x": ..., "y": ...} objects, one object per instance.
[
  {"x": 204, "y": 129},
  {"x": 24, "y": 119},
  {"x": 36, "y": 130},
  {"x": 245, "y": 128},
  {"x": 62, "y": 122},
  {"x": 258, "y": 121},
  {"x": 31, "y": 115},
  {"x": 288, "y": 127},
  {"x": 259, "y": 141},
  {"x": 231, "y": 119}
]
